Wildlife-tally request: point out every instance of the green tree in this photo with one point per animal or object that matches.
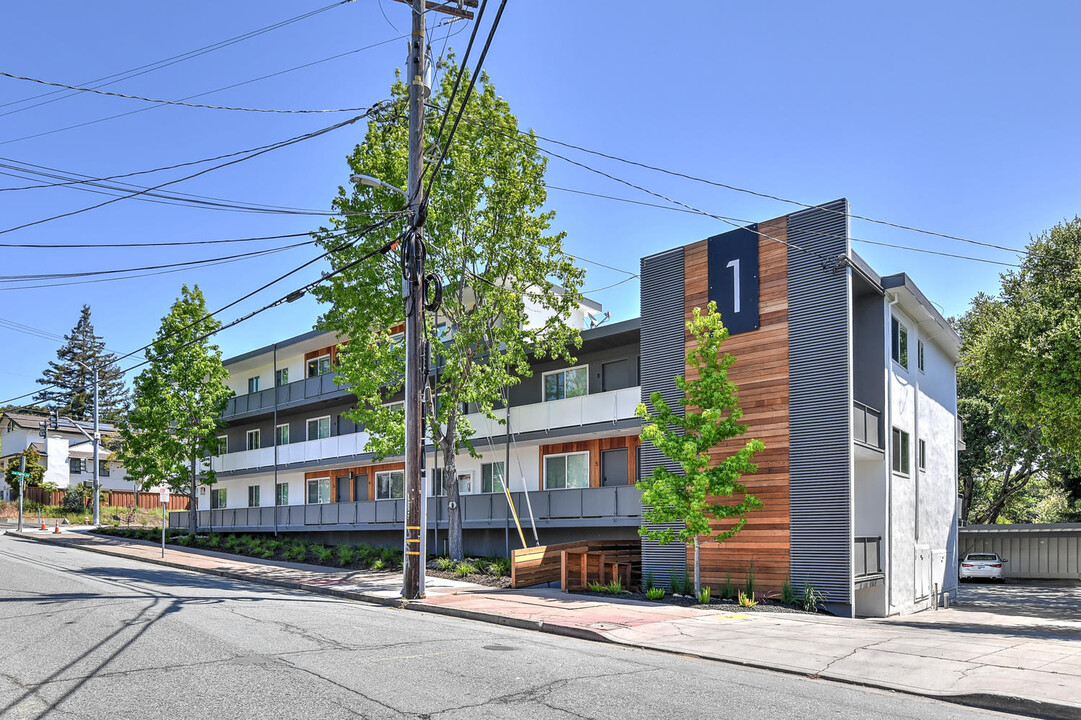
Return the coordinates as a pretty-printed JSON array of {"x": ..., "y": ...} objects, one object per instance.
[
  {"x": 509, "y": 286},
  {"x": 33, "y": 466},
  {"x": 1024, "y": 350},
  {"x": 711, "y": 415},
  {"x": 69, "y": 379},
  {"x": 177, "y": 402}
]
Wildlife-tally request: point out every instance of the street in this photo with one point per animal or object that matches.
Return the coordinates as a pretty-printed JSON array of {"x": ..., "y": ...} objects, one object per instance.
[{"x": 90, "y": 636}]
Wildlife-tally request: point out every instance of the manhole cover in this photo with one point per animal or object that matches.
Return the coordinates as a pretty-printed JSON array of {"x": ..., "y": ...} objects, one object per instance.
[{"x": 500, "y": 648}]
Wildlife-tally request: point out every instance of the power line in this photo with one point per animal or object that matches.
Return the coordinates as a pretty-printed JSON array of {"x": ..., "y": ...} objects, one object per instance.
[
  {"x": 159, "y": 64},
  {"x": 179, "y": 103},
  {"x": 276, "y": 146},
  {"x": 174, "y": 243}
]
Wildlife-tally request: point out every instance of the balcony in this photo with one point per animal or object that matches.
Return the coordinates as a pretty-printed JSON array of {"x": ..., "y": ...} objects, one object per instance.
[
  {"x": 310, "y": 450},
  {"x": 290, "y": 394},
  {"x": 603, "y": 407},
  {"x": 584, "y": 507},
  {"x": 867, "y": 561},
  {"x": 867, "y": 426}
]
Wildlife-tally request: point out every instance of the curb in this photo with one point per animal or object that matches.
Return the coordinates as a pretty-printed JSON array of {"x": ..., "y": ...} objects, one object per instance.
[{"x": 984, "y": 701}]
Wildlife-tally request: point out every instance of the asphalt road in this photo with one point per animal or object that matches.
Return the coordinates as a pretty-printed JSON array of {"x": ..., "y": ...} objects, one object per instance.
[{"x": 89, "y": 636}]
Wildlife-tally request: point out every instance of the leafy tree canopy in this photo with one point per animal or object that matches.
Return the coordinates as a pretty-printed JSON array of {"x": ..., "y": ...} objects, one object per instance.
[{"x": 33, "y": 466}]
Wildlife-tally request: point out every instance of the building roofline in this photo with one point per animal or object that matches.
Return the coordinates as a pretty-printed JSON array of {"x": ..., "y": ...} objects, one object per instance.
[{"x": 296, "y": 339}]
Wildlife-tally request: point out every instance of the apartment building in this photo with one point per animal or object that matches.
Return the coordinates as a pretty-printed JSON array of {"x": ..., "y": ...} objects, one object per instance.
[
  {"x": 848, "y": 377},
  {"x": 67, "y": 454}
]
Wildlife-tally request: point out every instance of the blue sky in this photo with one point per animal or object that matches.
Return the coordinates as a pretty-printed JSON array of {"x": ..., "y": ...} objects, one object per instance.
[{"x": 958, "y": 118}]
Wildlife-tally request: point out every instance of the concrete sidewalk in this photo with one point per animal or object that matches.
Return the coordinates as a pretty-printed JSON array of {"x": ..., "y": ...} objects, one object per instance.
[{"x": 1031, "y": 667}]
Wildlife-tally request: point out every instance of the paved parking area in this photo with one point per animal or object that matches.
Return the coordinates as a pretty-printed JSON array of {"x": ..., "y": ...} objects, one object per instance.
[{"x": 1056, "y": 600}]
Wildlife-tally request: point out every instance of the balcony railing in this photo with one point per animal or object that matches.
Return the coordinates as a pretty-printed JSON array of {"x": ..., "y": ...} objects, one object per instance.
[
  {"x": 600, "y": 407},
  {"x": 867, "y": 555},
  {"x": 583, "y": 506},
  {"x": 336, "y": 446},
  {"x": 288, "y": 394},
  {"x": 867, "y": 425}
]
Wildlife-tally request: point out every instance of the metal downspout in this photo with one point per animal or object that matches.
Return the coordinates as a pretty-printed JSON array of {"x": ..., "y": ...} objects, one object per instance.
[{"x": 887, "y": 432}]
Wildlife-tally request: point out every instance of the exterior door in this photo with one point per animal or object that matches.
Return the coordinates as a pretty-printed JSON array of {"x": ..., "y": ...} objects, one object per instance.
[
  {"x": 360, "y": 487},
  {"x": 615, "y": 375},
  {"x": 341, "y": 489},
  {"x": 614, "y": 467}
]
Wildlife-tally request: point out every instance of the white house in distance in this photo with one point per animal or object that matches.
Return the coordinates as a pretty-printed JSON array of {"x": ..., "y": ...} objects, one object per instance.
[{"x": 67, "y": 454}]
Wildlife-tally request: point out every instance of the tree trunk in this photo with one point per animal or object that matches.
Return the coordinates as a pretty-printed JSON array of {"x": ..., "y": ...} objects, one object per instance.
[
  {"x": 193, "y": 513},
  {"x": 455, "y": 547},
  {"x": 697, "y": 568}
]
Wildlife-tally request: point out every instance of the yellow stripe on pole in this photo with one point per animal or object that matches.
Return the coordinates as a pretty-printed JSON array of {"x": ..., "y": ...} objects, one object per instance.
[
  {"x": 412, "y": 552},
  {"x": 514, "y": 513}
]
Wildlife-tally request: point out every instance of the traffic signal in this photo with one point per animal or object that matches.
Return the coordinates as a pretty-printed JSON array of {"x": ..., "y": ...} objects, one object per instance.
[
  {"x": 43, "y": 429},
  {"x": 54, "y": 419}
]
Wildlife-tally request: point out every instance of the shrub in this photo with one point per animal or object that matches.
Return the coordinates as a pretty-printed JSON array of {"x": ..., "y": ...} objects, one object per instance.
[
  {"x": 647, "y": 583},
  {"x": 728, "y": 590},
  {"x": 390, "y": 556},
  {"x": 615, "y": 586},
  {"x": 273, "y": 546},
  {"x": 748, "y": 582},
  {"x": 366, "y": 554},
  {"x": 230, "y": 543},
  {"x": 596, "y": 587},
  {"x": 500, "y": 567},
  {"x": 212, "y": 541},
  {"x": 703, "y": 596},
  {"x": 747, "y": 601},
  {"x": 323, "y": 553},
  {"x": 481, "y": 566},
  {"x": 378, "y": 564},
  {"x": 74, "y": 499},
  {"x": 680, "y": 585},
  {"x": 297, "y": 551},
  {"x": 811, "y": 598},
  {"x": 444, "y": 563},
  {"x": 183, "y": 540},
  {"x": 464, "y": 569},
  {"x": 655, "y": 593},
  {"x": 788, "y": 595},
  {"x": 346, "y": 555}
]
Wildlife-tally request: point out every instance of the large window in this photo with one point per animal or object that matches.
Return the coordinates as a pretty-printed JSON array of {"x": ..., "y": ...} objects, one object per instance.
[
  {"x": 223, "y": 444},
  {"x": 253, "y": 384},
  {"x": 281, "y": 434},
  {"x": 218, "y": 498},
  {"x": 103, "y": 468},
  {"x": 255, "y": 438},
  {"x": 319, "y": 366},
  {"x": 568, "y": 470},
  {"x": 899, "y": 342},
  {"x": 389, "y": 484},
  {"x": 281, "y": 494},
  {"x": 900, "y": 452},
  {"x": 568, "y": 383},
  {"x": 318, "y": 491},
  {"x": 75, "y": 466},
  {"x": 319, "y": 428},
  {"x": 491, "y": 477},
  {"x": 281, "y": 377},
  {"x": 253, "y": 496}
]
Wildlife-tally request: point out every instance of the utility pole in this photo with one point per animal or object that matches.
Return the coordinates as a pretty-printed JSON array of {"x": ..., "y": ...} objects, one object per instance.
[
  {"x": 97, "y": 466},
  {"x": 413, "y": 299},
  {"x": 22, "y": 483}
]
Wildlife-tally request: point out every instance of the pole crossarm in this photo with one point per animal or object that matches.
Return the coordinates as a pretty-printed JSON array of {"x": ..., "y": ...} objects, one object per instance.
[{"x": 457, "y": 9}]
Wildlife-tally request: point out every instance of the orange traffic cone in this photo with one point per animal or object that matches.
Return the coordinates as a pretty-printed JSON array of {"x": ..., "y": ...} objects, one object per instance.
[
  {"x": 43, "y": 524},
  {"x": 56, "y": 529}
]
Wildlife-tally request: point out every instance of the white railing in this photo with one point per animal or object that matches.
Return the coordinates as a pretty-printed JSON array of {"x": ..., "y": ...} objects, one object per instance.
[
  {"x": 331, "y": 447},
  {"x": 572, "y": 412}
]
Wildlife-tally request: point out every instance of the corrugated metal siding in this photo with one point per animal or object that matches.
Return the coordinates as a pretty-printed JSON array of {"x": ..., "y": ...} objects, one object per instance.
[
  {"x": 820, "y": 404},
  {"x": 1053, "y": 553},
  {"x": 662, "y": 359}
]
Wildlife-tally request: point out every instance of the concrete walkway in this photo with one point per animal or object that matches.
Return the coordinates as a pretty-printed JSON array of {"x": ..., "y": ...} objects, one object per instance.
[{"x": 1030, "y": 666}]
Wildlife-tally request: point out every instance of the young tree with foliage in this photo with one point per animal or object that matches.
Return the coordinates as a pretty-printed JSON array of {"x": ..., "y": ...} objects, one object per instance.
[
  {"x": 711, "y": 415},
  {"x": 1024, "y": 350},
  {"x": 69, "y": 379},
  {"x": 509, "y": 285},
  {"x": 33, "y": 466},
  {"x": 177, "y": 402}
]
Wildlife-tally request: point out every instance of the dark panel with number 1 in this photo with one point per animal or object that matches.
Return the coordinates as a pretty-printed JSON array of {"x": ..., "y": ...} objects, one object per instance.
[{"x": 733, "y": 277}]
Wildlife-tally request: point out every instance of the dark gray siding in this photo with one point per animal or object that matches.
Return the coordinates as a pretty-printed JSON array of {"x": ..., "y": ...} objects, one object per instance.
[
  {"x": 529, "y": 390},
  {"x": 662, "y": 360},
  {"x": 820, "y": 405}
]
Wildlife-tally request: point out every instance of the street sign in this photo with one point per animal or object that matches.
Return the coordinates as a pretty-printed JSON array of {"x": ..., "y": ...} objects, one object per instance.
[{"x": 165, "y": 494}]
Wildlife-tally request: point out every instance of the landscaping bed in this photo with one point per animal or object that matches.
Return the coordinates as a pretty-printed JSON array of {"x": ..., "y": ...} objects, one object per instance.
[
  {"x": 115, "y": 516},
  {"x": 494, "y": 572}
]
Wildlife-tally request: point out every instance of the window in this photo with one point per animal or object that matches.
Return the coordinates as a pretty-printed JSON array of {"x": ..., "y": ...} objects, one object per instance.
[
  {"x": 921, "y": 454},
  {"x": 223, "y": 444},
  {"x": 281, "y": 494},
  {"x": 400, "y": 405},
  {"x": 281, "y": 434},
  {"x": 217, "y": 498},
  {"x": 253, "y": 384},
  {"x": 75, "y": 465},
  {"x": 254, "y": 439},
  {"x": 465, "y": 482},
  {"x": 318, "y": 491},
  {"x": 103, "y": 468},
  {"x": 491, "y": 477},
  {"x": 919, "y": 354},
  {"x": 899, "y": 342},
  {"x": 900, "y": 452},
  {"x": 569, "y": 470},
  {"x": 389, "y": 484},
  {"x": 439, "y": 488},
  {"x": 319, "y": 428},
  {"x": 319, "y": 366},
  {"x": 281, "y": 377},
  {"x": 253, "y": 496},
  {"x": 560, "y": 384}
]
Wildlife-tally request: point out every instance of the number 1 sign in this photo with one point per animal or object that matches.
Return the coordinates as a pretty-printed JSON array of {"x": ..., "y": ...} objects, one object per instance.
[{"x": 733, "y": 278}]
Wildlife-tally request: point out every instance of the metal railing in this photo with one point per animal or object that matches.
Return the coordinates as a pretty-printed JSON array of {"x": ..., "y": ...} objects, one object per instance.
[
  {"x": 289, "y": 394},
  {"x": 867, "y": 425},
  {"x": 867, "y": 555}
]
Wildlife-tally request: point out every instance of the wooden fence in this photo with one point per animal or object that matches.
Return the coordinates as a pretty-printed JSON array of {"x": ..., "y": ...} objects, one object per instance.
[
  {"x": 115, "y": 498},
  {"x": 545, "y": 563}
]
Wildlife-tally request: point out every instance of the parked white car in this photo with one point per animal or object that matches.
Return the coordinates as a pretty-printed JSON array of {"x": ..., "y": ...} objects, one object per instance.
[{"x": 985, "y": 566}]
